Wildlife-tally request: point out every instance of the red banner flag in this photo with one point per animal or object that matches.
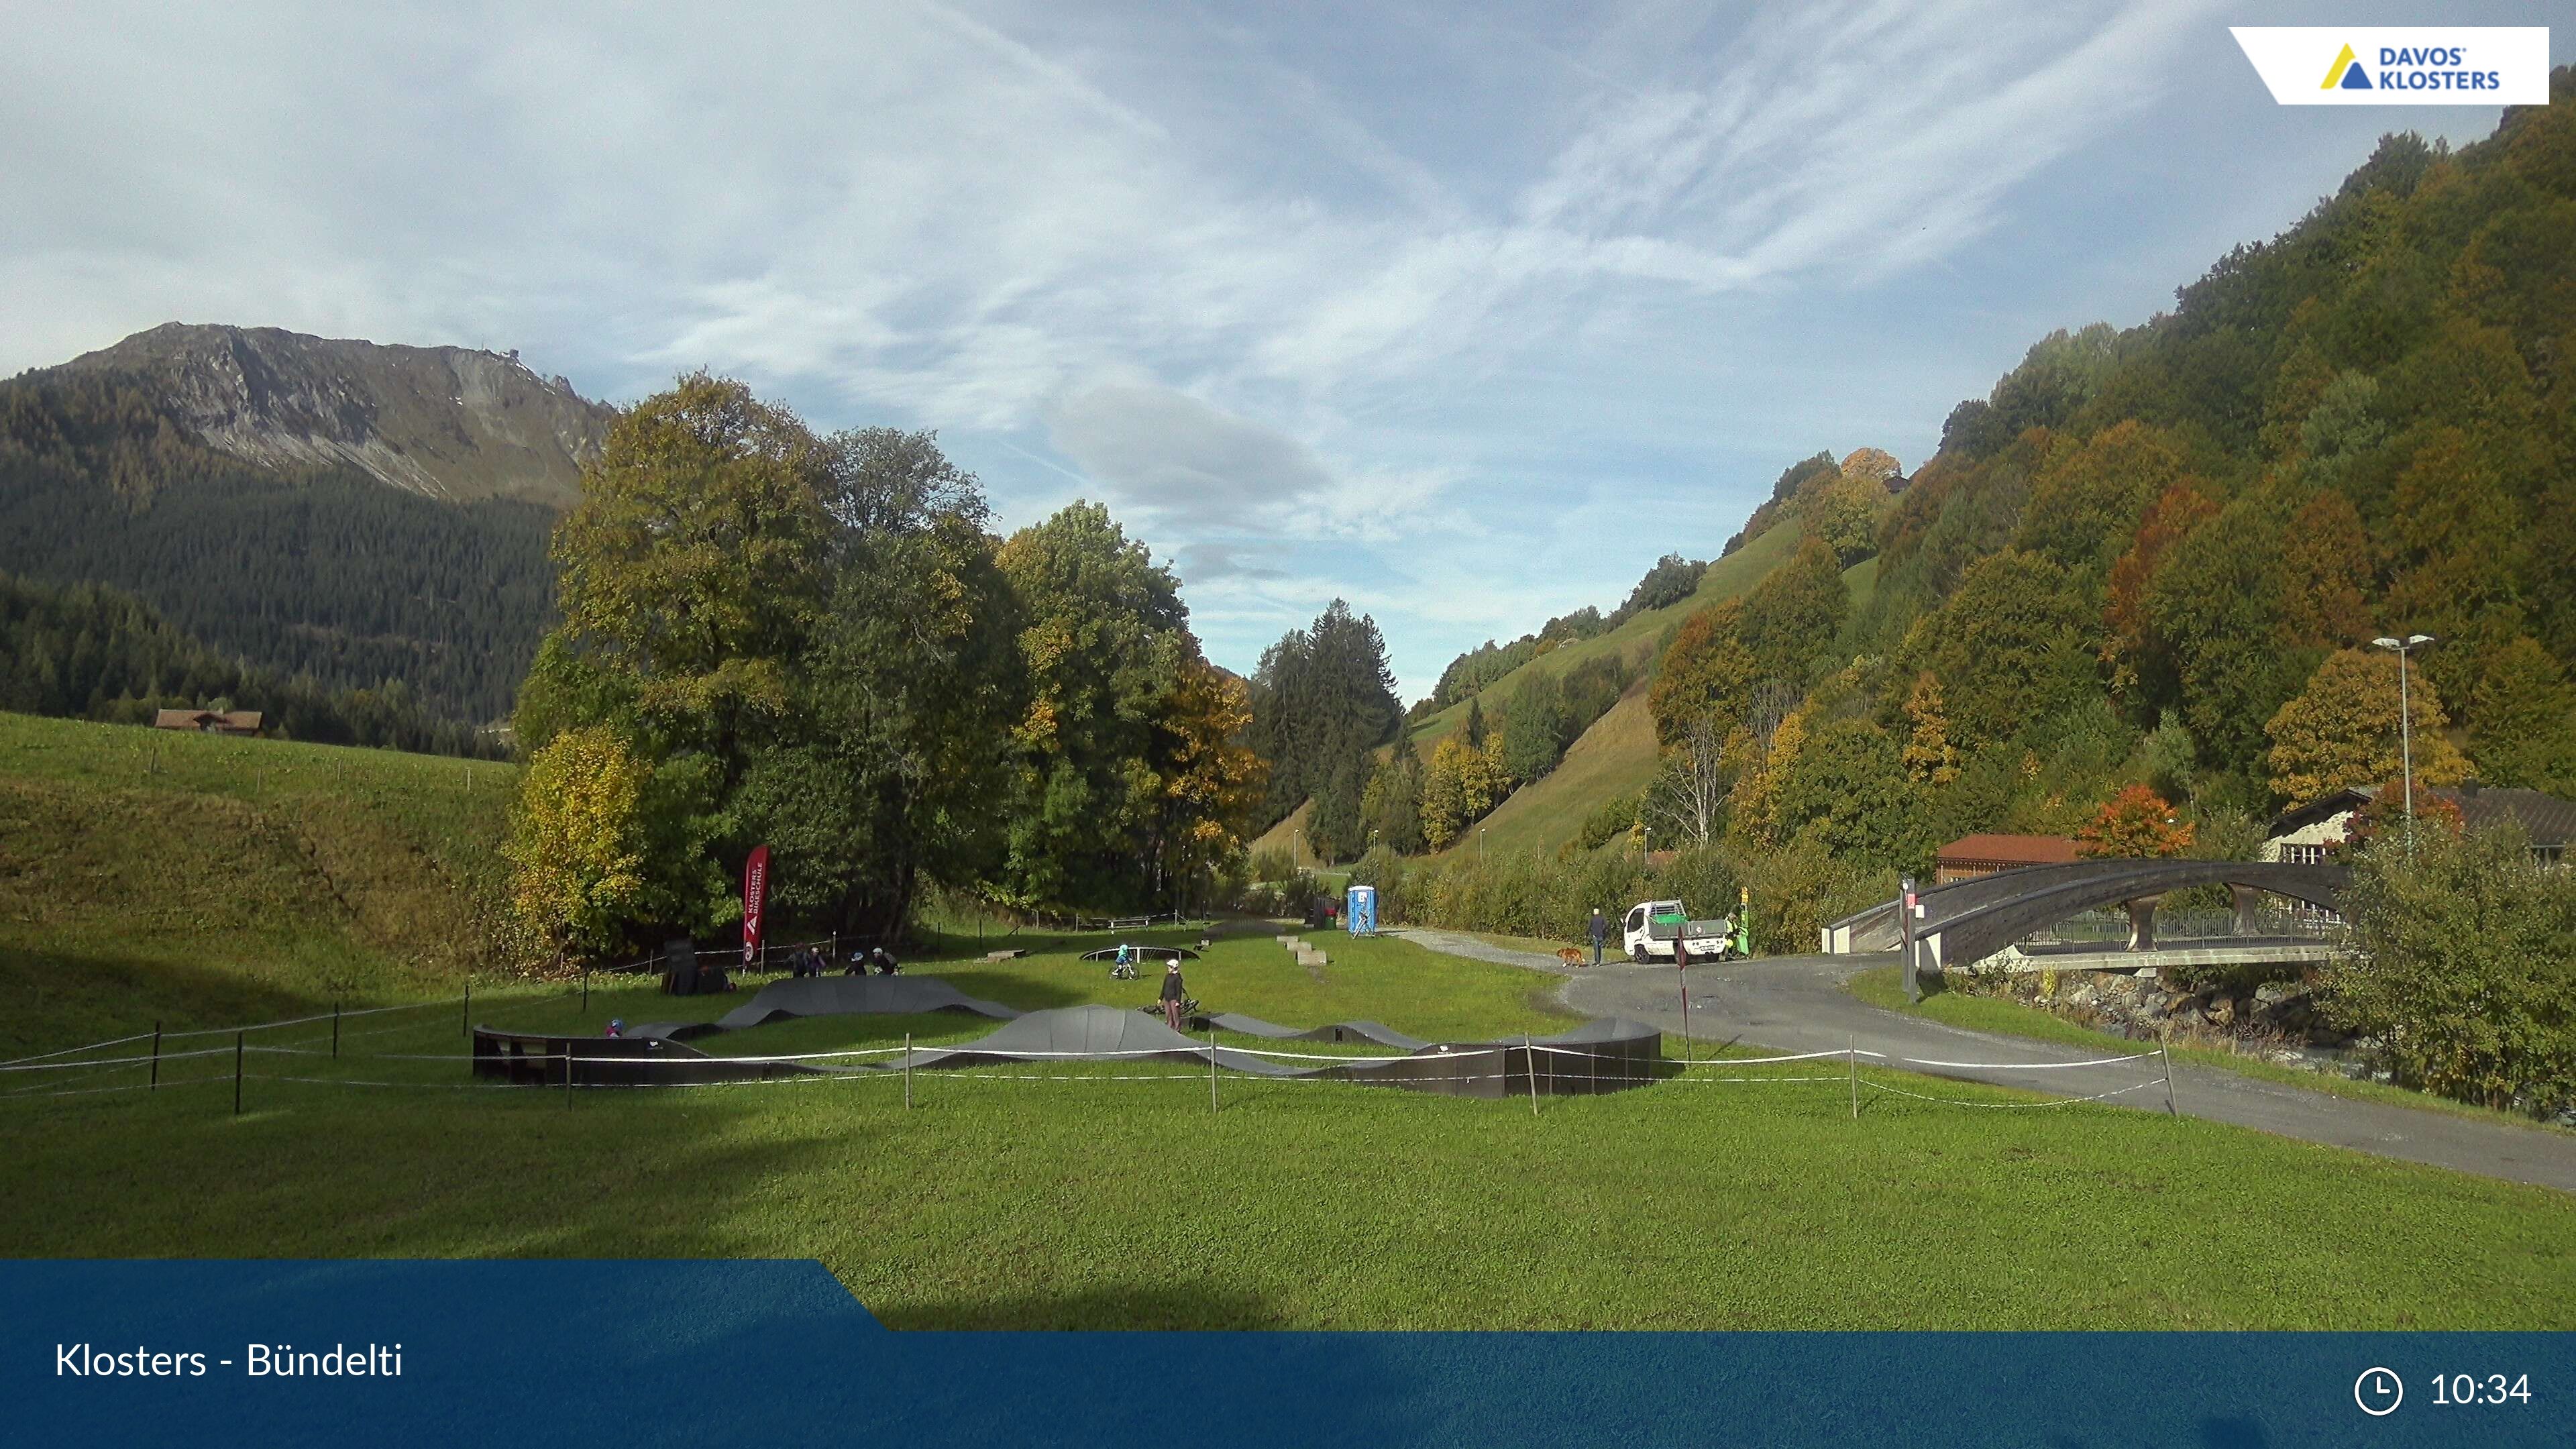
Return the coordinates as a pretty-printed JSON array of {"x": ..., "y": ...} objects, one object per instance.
[{"x": 755, "y": 899}]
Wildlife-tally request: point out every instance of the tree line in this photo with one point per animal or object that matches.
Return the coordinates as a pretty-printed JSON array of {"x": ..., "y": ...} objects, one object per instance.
[
  {"x": 774, "y": 637},
  {"x": 87, "y": 651}
]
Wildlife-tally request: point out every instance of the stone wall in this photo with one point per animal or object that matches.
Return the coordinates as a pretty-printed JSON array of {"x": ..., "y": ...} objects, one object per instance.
[{"x": 2278, "y": 1019}]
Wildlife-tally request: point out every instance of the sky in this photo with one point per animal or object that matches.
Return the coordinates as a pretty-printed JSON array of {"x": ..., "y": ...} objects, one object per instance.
[{"x": 1464, "y": 314}]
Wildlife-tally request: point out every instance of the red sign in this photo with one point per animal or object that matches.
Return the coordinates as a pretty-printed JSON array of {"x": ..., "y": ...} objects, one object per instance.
[{"x": 755, "y": 898}]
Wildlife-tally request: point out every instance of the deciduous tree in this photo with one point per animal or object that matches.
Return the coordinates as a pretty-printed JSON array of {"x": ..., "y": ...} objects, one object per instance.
[
  {"x": 577, "y": 841},
  {"x": 2524, "y": 718},
  {"x": 2342, "y": 730},
  {"x": 2134, "y": 824}
]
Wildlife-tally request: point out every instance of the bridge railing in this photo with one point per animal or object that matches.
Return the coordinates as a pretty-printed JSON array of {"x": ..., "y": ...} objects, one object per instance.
[{"x": 2113, "y": 925}]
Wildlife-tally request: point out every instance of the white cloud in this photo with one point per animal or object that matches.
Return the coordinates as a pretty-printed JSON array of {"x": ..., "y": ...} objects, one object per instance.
[{"x": 1344, "y": 305}]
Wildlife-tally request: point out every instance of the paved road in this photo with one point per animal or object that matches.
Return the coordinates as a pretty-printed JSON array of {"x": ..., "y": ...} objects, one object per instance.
[{"x": 1798, "y": 1004}]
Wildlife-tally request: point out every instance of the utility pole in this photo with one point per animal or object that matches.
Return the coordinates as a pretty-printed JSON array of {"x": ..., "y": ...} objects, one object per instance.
[
  {"x": 2405, "y": 727},
  {"x": 1905, "y": 909}
]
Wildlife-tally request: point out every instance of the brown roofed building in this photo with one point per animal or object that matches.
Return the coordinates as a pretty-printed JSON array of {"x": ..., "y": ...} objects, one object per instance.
[
  {"x": 208, "y": 721},
  {"x": 1971, "y": 856}
]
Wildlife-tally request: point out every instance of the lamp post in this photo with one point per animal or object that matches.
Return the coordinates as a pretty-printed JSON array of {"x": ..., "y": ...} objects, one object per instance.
[{"x": 2405, "y": 726}]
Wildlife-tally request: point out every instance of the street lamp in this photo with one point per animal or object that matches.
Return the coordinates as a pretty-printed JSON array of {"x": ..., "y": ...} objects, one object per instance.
[
  {"x": 2405, "y": 725},
  {"x": 1480, "y": 845}
]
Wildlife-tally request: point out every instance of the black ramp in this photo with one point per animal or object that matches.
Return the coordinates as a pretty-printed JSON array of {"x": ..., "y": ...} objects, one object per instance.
[
  {"x": 1091, "y": 1033},
  {"x": 832, "y": 996},
  {"x": 1340, "y": 1031}
]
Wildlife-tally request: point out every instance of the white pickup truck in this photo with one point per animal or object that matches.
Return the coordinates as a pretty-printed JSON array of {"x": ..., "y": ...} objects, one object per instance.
[{"x": 1651, "y": 927}]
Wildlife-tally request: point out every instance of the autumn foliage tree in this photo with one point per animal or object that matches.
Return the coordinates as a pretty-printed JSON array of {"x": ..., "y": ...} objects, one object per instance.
[
  {"x": 1708, "y": 672},
  {"x": 2342, "y": 731},
  {"x": 578, "y": 839},
  {"x": 2524, "y": 714},
  {"x": 810, "y": 642},
  {"x": 2135, "y": 824},
  {"x": 2131, "y": 649}
]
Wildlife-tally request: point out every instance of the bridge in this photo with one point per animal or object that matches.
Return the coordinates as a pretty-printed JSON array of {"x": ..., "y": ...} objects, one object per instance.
[{"x": 1969, "y": 920}]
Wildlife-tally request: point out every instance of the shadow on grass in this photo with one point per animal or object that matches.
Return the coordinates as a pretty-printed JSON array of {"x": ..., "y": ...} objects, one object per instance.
[
  {"x": 1144, "y": 1303},
  {"x": 65, "y": 998}
]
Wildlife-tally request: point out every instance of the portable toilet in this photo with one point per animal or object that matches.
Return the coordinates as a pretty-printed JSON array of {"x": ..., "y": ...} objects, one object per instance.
[{"x": 1360, "y": 910}]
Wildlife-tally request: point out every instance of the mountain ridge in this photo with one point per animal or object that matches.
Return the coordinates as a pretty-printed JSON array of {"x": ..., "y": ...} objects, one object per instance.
[{"x": 453, "y": 424}]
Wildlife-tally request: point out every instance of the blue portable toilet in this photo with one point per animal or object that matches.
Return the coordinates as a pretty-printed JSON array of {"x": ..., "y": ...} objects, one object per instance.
[{"x": 1360, "y": 910}]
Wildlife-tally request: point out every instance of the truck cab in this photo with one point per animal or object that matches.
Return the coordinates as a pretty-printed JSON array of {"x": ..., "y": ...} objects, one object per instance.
[{"x": 1650, "y": 928}]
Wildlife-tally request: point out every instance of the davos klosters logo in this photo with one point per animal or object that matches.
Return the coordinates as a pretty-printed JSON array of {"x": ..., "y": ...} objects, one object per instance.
[{"x": 2400, "y": 66}]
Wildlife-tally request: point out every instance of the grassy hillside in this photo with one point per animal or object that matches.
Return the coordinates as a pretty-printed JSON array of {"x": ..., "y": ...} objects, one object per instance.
[
  {"x": 1278, "y": 837},
  {"x": 1617, "y": 755},
  {"x": 1110, "y": 1196},
  {"x": 198, "y": 880},
  {"x": 1634, "y": 639}
]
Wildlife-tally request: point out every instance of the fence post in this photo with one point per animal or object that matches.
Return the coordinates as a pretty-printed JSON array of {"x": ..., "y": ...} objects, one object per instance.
[
  {"x": 465, "y": 1024},
  {"x": 2166, "y": 1053},
  {"x": 1851, "y": 1056},
  {"x": 1529, "y": 1060},
  {"x": 567, "y": 1041},
  {"x": 907, "y": 1071},
  {"x": 1211, "y": 1068},
  {"x": 335, "y": 1031},
  {"x": 237, "y": 1073},
  {"x": 156, "y": 1056}
]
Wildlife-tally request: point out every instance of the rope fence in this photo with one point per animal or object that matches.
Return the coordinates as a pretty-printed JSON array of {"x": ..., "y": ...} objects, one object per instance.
[{"x": 66, "y": 1072}]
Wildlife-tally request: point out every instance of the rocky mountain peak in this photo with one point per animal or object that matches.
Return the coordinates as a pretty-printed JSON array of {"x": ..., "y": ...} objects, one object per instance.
[{"x": 452, "y": 423}]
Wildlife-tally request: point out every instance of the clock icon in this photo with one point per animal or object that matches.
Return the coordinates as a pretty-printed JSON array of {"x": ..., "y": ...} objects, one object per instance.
[{"x": 2378, "y": 1391}]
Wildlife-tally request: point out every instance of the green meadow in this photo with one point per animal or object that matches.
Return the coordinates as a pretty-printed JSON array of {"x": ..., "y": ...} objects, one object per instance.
[{"x": 1091, "y": 1196}]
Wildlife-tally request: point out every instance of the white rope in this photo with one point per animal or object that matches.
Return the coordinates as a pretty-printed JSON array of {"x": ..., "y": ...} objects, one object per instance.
[
  {"x": 93, "y": 1046},
  {"x": 1963, "y": 1102},
  {"x": 1754, "y": 1061},
  {"x": 114, "y": 1061},
  {"x": 2011, "y": 1066}
]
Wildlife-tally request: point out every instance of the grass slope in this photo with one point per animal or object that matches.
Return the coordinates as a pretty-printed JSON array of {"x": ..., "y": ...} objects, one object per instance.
[
  {"x": 1616, "y": 756},
  {"x": 197, "y": 880},
  {"x": 1100, "y": 1197},
  {"x": 1635, "y": 638},
  {"x": 1288, "y": 834}
]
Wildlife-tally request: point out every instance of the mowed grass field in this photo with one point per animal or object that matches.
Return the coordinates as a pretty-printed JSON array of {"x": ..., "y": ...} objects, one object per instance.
[
  {"x": 1035, "y": 1196},
  {"x": 1111, "y": 1196}
]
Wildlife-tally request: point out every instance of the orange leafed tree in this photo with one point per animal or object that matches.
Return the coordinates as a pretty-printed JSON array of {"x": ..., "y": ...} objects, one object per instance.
[
  {"x": 2128, "y": 642},
  {"x": 2136, "y": 824}
]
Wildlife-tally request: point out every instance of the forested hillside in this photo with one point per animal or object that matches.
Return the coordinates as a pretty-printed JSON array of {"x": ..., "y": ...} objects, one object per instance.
[
  {"x": 317, "y": 571},
  {"x": 2157, "y": 556},
  {"x": 86, "y": 651},
  {"x": 2141, "y": 577}
]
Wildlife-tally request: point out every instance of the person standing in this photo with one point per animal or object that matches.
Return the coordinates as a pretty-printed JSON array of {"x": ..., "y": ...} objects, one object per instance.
[
  {"x": 1172, "y": 995},
  {"x": 1600, "y": 933}
]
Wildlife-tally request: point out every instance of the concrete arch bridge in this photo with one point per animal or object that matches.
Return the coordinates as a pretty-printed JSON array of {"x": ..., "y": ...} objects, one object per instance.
[{"x": 1967, "y": 921}]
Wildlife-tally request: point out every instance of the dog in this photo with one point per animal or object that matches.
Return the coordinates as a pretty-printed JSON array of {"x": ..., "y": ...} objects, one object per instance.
[{"x": 1572, "y": 956}]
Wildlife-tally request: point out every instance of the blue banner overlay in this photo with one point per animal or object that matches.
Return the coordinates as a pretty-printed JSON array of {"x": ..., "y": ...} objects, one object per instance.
[{"x": 711, "y": 1353}]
